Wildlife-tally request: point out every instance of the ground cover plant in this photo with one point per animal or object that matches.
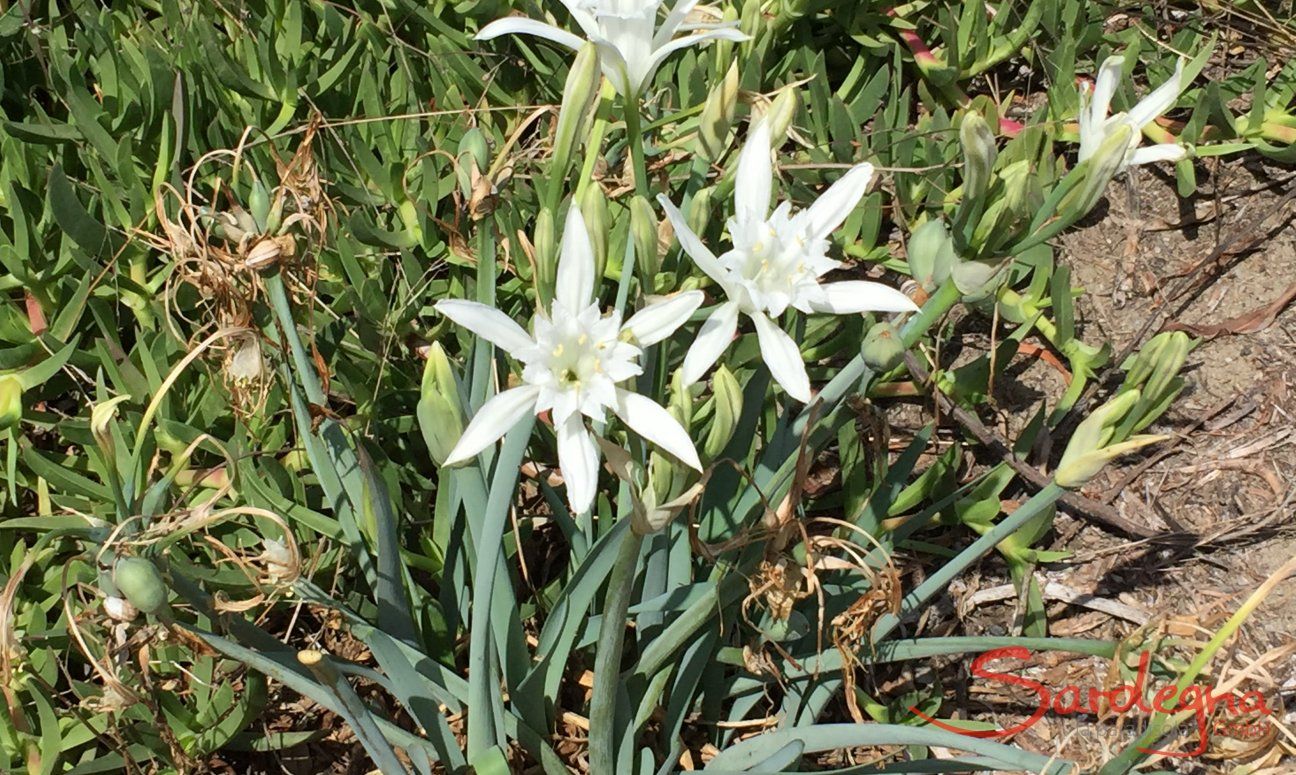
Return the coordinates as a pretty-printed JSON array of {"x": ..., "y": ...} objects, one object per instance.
[{"x": 600, "y": 386}]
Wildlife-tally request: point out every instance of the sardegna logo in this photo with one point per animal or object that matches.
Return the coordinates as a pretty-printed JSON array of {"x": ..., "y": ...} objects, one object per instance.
[{"x": 1245, "y": 716}]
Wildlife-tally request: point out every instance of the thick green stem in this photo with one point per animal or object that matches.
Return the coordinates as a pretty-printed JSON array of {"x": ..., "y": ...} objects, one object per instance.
[
  {"x": 635, "y": 138},
  {"x": 607, "y": 659}
]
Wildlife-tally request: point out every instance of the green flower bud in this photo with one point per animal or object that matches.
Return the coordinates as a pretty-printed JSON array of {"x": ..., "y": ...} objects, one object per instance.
[
  {"x": 1170, "y": 358},
  {"x": 717, "y": 115},
  {"x": 259, "y": 205},
  {"x": 1088, "y": 450},
  {"x": 582, "y": 86},
  {"x": 979, "y": 154},
  {"x": 780, "y": 115},
  {"x": 101, "y": 419},
  {"x": 1022, "y": 192},
  {"x": 643, "y": 230},
  {"x": 728, "y": 401},
  {"x": 593, "y": 205},
  {"x": 883, "y": 348},
  {"x": 546, "y": 254},
  {"x": 11, "y": 408},
  {"x": 472, "y": 154},
  {"x": 141, "y": 584},
  {"x": 440, "y": 415},
  {"x": 975, "y": 280},
  {"x": 931, "y": 254},
  {"x": 699, "y": 214}
]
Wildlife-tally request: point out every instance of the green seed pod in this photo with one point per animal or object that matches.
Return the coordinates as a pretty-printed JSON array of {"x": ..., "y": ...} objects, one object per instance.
[
  {"x": 472, "y": 154},
  {"x": 728, "y": 409},
  {"x": 718, "y": 114},
  {"x": 582, "y": 86},
  {"x": 643, "y": 230},
  {"x": 141, "y": 584},
  {"x": 883, "y": 348},
  {"x": 979, "y": 154},
  {"x": 931, "y": 254},
  {"x": 546, "y": 254},
  {"x": 259, "y": 206},
  {"x": 440, "y": 415},
  {"x": 975, "y": 279},
  {"x": 11, "y": 409},
  {"x": 593, "y": 205}
]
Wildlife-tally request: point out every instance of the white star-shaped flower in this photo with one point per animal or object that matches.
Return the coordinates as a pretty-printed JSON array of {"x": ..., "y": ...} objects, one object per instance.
[{"x": 1096, "y": 126}]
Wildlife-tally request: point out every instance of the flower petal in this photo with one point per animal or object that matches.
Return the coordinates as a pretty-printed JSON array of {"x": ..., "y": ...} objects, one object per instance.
[
  {"x": 575, "y": 283},
  {"x": 1161, "y": 152},
  {"x": 673, "y": 21},
  {"x": 692, "y": 244},
  {"x": 582, "y": 17},
  {"x": 660, "y": 54},
  {"x": 648, "y": 419},
  {"x": 754, "y": 180},
  {"x": 831, "y": 208},
  {"x": 853, "y": 296},
  {"x": 495, "y": 418},
  {"x": 579, "y": 461},
  {"x": 521, "y": 25},
  {"x": 712, "y": 340},
  {"x": 1160, "y": 101},
  {"x": 488, "y": 323},
  {"x": 657, "y": 321},
  {"x": 783, "y": 358},
  {"x": 1109, "y": 75}
]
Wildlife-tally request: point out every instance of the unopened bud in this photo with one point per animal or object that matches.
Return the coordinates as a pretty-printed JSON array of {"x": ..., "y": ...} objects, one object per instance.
[
  {"x": 1087, "y": 452},
  {"x": 717, "y": 115},
  {"x": 582, "y": 85},
  {"x": 780, "y": 115},
  {"x": 11, "y": 408},
  {"x": 472, "y": 155},
  {"x": 141, "y": 584},
  {"x": 728, "y": 404},
  {"x": 259, "y": 206},
  {"x": 975, "y": 280},
  {"x": 593, "y": 206},
  {"x": 101, "y": 418},
  {"x": 931, "y": 254},
  {"x": 439, "y": 413},
  {"x": 546, "y": 253},
  {"x": 979, "y": 154},
  {"x": 883, "y": 348},
  {"x": 699, "y": 214},
  {"x": 643, "y": 230}
]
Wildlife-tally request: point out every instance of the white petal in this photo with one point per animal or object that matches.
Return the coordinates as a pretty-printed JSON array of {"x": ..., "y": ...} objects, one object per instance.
[
  {"x": 1161, "y": 152},
  {"x": 852, "y": 296},
  {"x": 830, "y": 209},
  {"x": 496, "y": 418},
  {"x": 1109, "y": 74},
  {"x": 582, "y": 17},
  {"x": 576, "y": 267},
  {"x": 488, "y": 323},
  {"x": 520, "y": 25},
  {"x": 783, "y": 358},
  {"x": 657, "y": 321},
  {"x": 646, "y": 418},
  {"x": 673, "y": 20},
  {"x": 712, "y": 340},
  {"x": 578, "y": 459},
  {"x": 692, "y": 244},
  {"x": 755, "y": 177},
  {"x": 660, "y": 54},
  {"x": 1160, "y": 101}
]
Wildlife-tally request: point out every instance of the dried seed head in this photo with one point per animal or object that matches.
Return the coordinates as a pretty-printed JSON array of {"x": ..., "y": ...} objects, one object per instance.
[
  {"x": 120, "y": 609},
  {"x": 264, "y": 253},
  {"x": 246, "y": 366}
]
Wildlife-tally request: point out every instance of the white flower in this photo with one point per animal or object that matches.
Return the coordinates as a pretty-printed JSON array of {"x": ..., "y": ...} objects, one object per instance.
[
  {"x": 1096, "y": 126},
  {"x": 631, "y": 45},
  {"x": 573, "y": 360},
  {"x": 775, "y": 263}
]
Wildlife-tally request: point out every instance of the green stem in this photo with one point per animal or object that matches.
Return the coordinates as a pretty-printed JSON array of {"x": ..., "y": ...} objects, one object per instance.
[
  {"x": 283, "y": 313},
  {"x": 607, "y": 659},
  {"x": 635, "y": 137}
]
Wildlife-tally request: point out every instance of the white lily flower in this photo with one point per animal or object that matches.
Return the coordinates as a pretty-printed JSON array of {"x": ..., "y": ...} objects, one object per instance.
[
  {"x": 631, "y": 45},
  {"x": 775, "y": 263},
  {"x": 1096, "y": 126},
  {"x": 573, "y": 361}
]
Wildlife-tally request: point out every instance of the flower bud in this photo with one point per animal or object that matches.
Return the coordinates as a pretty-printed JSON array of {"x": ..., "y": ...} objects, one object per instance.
[
  {"x": 1170, "y": 358},
  {"x": 728, "y": 401},
  {"x": 593, "y": 206},
  {"x": 699, "y": 214},
  {"x": 259, "y": 206},
  {"x": 931, "y": 254},
  {"x": 546, "y": 253},
  {"x": 1088, "y": 450},
  {"x": 472, "y": 155},
  {"x": 780, "y": 115},
  {"x": 717, "y": 115},
  {"x": 101, "y": 418},
  {"x": 975, "y": 280},
  {"x": 439, "y": 413},
  {"x": 979, "y": 154},
  {"x": 11, "y": 409},
  {"x": 643, "y": 230},
  {"x": 141, "y": 584},
  {"x": 582, "y": 85},
  {"x": 1022, "y": 192},
  {"x": 883, "y": 348}
]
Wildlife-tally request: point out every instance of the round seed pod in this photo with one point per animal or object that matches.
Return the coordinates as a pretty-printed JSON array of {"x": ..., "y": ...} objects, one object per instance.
[{"x": 141, "y": 584}]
